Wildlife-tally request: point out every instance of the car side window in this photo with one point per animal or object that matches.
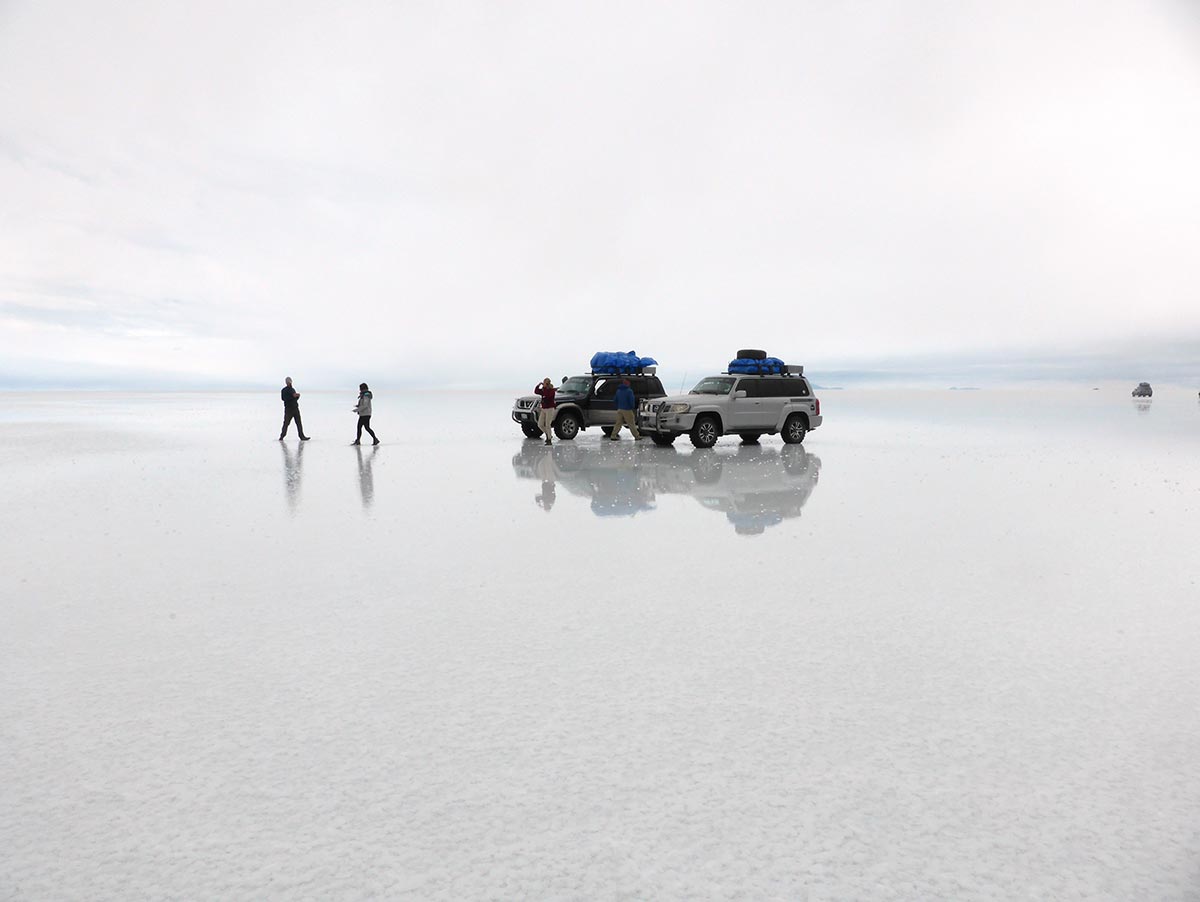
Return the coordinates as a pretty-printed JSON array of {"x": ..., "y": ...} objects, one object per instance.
[
  {"x": 654, "y": 386},
  {"x": 787, "y": 388},
  {"x": 752, "y": 387},
  {"x": 606, "y": 389}
]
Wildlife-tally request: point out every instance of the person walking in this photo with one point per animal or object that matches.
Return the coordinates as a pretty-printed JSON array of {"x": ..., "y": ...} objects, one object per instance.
[
  {"x": 546, "y": 412},
  {"x": 363, "y": 409},
  {"x": 291, "y": 410},
  {"x": 626, "y": 404}
]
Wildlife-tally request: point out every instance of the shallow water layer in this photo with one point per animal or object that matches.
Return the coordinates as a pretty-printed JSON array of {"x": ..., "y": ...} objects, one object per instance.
[{"x": 945, "y": 649}]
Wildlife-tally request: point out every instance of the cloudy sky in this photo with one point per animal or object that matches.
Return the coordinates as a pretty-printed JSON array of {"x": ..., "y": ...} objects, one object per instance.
[{"x": 219, "y": 193}]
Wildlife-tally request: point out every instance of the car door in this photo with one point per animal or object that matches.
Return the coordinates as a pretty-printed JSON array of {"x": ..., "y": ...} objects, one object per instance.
[
  {"x": 602, "y": 405},
  {"x": 776, "y": 394},
  {"x": 746, "y": 413},
  {"x": 796, "y": 396}
]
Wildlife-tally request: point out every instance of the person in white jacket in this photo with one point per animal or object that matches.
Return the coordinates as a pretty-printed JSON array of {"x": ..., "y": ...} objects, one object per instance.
[{"x": 363, "y": 409}]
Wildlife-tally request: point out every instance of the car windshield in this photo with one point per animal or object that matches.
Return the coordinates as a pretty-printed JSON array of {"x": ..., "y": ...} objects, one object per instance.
[
  {"x": 713, "y": 386},
  {"x": 576, "y": 385}
]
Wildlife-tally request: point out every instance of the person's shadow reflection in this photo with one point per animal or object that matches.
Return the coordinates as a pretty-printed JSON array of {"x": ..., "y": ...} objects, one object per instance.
[
  {"x": 293, "y": 456},
  {"x": 366, "y": 479}
]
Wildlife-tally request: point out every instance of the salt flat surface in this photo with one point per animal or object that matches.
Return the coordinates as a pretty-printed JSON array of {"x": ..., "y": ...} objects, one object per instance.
[{"x": 946, "y": 650}]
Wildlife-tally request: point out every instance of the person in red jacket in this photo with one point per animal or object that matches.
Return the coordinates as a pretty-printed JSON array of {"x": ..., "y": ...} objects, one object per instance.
[{"x": 546, "y": 413}]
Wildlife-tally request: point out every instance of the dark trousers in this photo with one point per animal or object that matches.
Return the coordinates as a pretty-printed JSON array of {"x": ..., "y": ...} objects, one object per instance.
[
  {"x": 365, "y": 423},
  {"x": 290, "y": 414}
]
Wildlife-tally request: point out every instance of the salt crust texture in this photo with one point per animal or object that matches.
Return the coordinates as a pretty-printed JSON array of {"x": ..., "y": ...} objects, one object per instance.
[{"x": 966, "y": 669}]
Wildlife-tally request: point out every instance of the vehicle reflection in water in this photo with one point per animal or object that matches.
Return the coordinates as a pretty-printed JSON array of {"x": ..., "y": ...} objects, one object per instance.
[
  {"x": 1143, "y": 405},
  {"x": 755, "y": 487}
]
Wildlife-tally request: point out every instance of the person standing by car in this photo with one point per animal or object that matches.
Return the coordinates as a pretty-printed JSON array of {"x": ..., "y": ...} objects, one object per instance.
[
  {"x": 546, "y": 411},
  {"x": 291, "y": 409},
  {"x": 626, "y": 404},
  {"x": 363, "y": 409}
]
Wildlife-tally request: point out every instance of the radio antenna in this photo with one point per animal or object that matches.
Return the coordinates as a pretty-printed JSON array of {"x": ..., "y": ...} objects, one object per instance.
[{"x": 683, "y": 382}]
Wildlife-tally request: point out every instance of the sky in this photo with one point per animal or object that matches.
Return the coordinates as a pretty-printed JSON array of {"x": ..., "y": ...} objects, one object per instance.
[{"x": 220, "y": 193}]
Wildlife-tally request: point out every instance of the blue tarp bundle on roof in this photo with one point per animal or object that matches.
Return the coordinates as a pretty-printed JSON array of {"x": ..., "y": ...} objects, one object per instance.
[
  {"x": 745, "y": 366},
  {"x": 620, "y": 362}
]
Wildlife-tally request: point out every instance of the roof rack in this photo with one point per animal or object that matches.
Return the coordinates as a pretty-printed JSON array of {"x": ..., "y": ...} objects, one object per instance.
[
  {"x": 632, "y": 371},
  {"x": 788, "y": 370}
]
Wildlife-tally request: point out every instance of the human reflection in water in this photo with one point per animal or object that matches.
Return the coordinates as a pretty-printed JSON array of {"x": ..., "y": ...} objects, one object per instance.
[
  {"x": 366, "y": 479},
  {"x": 293, "y": 457},
  {"x": 544, "y": 468},
  {"x": 755, "y": 487}
]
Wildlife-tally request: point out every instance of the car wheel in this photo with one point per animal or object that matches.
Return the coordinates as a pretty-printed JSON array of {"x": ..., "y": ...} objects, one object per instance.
[
  {"x": 795, "y": 429},
  {"x": 566, "y": 427},
  {"x": 663, "y": 441},
  {"x": 751, "y": 438},
  {"x": 531, "y": 431},
  {"x": 706, "y": 432}
]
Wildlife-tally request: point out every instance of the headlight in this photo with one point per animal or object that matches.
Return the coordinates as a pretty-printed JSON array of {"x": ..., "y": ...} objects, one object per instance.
[{"x": 676, "y": 408}]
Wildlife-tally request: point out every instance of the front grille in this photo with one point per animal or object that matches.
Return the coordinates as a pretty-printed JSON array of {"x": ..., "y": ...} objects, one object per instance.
[{"x": 522, "y": 403}]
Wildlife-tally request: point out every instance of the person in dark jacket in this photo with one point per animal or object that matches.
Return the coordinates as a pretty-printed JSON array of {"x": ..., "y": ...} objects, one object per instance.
[
  {"x": 546, "y": 412},
  {"x": 291, "y": 410},
  {"x": 363, "y": 409},
  {"x": 626, "y": 404}
]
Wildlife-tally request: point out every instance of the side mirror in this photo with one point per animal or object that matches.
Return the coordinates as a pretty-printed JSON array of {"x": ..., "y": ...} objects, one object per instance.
[{"x": 739, "y": 394}]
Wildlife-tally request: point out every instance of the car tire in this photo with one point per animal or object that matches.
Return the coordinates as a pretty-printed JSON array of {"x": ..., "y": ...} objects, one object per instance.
[
  {"x": 795, "y": 429},
  {"x": 566, "y": 426},
  {"x": 705, "y": 432},
  {"x": 531, "y": 431},
  {"x": 751, "y": 438},
  {"x": 663, "y": 441},
  {"x": 751, "y": 354}
]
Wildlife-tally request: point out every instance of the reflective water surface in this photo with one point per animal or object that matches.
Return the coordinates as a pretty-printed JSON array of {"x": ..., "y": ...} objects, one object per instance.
[
  {"x": 753, "y": 486},
  {"x": 945, "y": 649}
]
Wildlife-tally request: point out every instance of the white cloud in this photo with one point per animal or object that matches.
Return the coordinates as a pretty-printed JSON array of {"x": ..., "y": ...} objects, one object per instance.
[{"x": 373, "y": 188}]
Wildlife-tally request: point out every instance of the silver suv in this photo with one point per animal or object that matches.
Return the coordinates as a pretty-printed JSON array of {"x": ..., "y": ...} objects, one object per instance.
[{"x": 729, "y": 404}]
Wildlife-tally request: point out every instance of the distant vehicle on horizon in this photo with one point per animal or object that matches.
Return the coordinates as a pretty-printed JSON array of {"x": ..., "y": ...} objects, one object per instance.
[{"x": 1143, "y": 390}]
